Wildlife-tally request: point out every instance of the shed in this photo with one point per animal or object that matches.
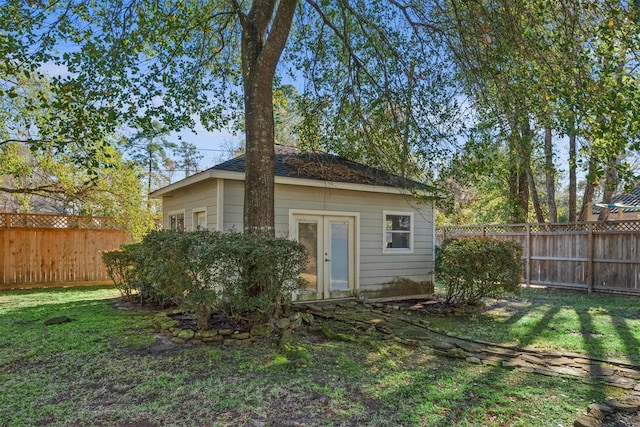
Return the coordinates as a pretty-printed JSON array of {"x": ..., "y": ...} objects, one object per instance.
[{"x": 368, "y": 233}]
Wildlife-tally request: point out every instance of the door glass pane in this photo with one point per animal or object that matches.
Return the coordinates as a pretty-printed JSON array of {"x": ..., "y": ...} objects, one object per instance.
[
  {"x": 339, "y": 257},
  {"x": 308, "y": 237}
]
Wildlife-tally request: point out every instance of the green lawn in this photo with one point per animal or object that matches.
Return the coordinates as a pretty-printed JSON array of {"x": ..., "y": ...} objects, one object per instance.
[
  {"x": 91, "y": 371},
  {"x": 597, "y": 325}
]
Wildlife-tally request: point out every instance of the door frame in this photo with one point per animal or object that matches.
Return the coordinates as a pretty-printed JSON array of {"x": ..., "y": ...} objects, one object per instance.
[{"x": 355, "y": 216}]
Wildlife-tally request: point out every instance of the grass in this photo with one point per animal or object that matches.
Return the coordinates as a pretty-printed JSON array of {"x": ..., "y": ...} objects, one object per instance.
[
  {"x": 600, "y": 325},
  {"x": 90, "y": 371}
]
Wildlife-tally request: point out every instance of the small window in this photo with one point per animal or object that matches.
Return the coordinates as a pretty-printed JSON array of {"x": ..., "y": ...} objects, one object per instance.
[
  {"x": 200, "y": 220},
  {"x": 176, "y": 221},
  {"x": 398, "y": 231}
]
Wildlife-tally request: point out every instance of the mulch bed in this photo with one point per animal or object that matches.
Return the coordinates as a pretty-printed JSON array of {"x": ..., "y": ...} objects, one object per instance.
[{"x": 217, "y": 321}]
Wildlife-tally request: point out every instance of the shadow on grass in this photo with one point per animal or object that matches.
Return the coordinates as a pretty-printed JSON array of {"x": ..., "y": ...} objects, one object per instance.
[
  {"x": 629, "y": 340},
  {"x": 457, "y": 393}
]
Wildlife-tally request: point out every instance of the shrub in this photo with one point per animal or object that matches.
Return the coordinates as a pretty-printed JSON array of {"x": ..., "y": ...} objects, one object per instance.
[
  {"x": 477, "y": 267},
  {"x": 202, "y": 271},
  {"x": 260, "y": 273},
  {"x": 120, "y": 265}
]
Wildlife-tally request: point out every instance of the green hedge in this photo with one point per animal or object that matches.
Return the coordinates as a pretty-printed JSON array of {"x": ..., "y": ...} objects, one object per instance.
[
  {"x": 477, "y": 267},
  {"x": 202, "y": 271}
]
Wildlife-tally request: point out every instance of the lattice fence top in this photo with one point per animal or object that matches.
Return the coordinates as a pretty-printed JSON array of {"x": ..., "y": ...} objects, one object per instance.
[
  {"x": 13, "y": 220},
  {"x": 502, "y": 229}
]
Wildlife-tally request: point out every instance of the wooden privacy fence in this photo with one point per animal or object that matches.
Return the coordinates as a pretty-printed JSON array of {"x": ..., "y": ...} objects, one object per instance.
[
  {"x": 42, "y": 248},
  {"x": 603, "y": 256}
]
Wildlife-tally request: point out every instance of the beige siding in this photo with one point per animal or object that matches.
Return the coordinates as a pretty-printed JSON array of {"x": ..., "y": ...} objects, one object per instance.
[
  {"x": 376, "y": 267},
  {"x": 233, "y": 205},
  {"x": 192, "y": 199}
]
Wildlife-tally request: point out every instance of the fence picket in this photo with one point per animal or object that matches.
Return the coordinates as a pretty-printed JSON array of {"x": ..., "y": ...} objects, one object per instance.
[
  {"x": 43, "y": 248},
  {"x": 591, "y": 255}
]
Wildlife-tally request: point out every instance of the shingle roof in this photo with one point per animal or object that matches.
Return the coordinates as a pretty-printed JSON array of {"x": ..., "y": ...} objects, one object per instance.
[
  {"x": 627, "y": 199},
  {"x": 290, "y": 162}
]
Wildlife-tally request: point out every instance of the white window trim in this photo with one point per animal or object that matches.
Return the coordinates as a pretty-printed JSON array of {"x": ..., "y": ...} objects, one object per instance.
[
  {"x": 386, "y": 250},
  {"x": 176, "y": 212},
  {"x": 194, "y": 219}
]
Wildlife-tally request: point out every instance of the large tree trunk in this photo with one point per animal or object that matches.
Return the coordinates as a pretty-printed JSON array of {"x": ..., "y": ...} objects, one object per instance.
[
  {"x": 260, "y": 56},
  {"x": 535, "y": 199},
  {"x": 525, "y": 152},
  {"x": 573, "y": 185},
  {"x": 587, "y": 198},
  {"x": 550, "y": 175},
  {"x": 611, "y": 181}
]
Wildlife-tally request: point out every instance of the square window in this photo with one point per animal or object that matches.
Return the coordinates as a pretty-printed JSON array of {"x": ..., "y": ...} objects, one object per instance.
[
  {"x": 398, "y": 231},
  {"x": 176, "y": 222}
]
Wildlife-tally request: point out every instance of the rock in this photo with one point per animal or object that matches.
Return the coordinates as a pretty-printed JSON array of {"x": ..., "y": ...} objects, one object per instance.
[
  {"x": 569, "y": 370},
  {"x": 186, "y": 334},
  {"x": 472, "y": 359},
  {"x": 457, "y": 353},
  {"x": 622, "y": 406},
  {"x": 215, "y": 338},
  {"x": 600, "y": 407},
  {"x": 57, "y": 320},
  {"x": 587, "y": 421},
  {"x": 168, "y": 323},
  {"x": 283, "y": 323},
  {"x": 262, "y": 330},
  {"x": 177, "y": 340},
  {"x": 531, "y": 359},
  {"x": 241, "y": 336},
  {"x": 559, "y": 361},
  {"x": 295, "y": 323},
  {"x": 225, "y": 331},
  {"x": 208, "y": 333},
  {"x": 545, "y": 371},
  {"x": 315, "y": 307},
  {"x": 307, "y": 318}
]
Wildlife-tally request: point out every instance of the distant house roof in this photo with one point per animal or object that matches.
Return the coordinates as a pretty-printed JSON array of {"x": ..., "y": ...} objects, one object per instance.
[
  {"x": 627, "y": 202},
  {"x": 313, "y": 166}
]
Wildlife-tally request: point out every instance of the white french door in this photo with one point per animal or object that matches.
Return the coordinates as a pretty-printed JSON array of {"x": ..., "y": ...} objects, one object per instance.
[{"x": 330, "y": 243}]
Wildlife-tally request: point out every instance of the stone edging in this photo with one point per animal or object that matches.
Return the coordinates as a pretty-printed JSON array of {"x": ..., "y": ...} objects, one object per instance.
[{"x": 177, "y": 335}]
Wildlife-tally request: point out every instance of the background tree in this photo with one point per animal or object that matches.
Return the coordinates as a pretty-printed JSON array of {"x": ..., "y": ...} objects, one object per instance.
[
  {"x": 188, "y": 158},
  {"x": 540, "y": 68},
  {"x": 50, "y": 182},
  {"x": 150, "y": 150}
]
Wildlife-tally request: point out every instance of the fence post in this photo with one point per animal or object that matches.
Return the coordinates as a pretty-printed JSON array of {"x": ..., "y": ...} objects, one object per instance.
[
  {"x": 8, "y": 220},
  {"x": 590, "y": 250},
  {"x": 528, "y": 257}
]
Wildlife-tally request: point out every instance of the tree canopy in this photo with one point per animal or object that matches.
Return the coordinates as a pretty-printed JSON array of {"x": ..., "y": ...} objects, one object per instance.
[{"x": 385, "y": 83}]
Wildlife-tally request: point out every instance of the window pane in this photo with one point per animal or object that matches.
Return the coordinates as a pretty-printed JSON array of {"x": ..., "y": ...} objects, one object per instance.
[
  {"x": 176, "y": 222},
  {"x": 398, "y": 222},
  {"x": 339, "y": 257},
  {"x": 180, "y": 222},
  {"x": 308, "y": 237}
]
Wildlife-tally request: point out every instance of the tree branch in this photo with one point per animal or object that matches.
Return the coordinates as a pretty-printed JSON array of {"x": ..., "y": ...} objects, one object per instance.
[{"x": 279, "y": 33}]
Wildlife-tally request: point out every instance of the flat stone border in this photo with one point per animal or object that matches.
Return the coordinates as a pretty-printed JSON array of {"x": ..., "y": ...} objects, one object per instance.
[{"x": 177, "y": 335}]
